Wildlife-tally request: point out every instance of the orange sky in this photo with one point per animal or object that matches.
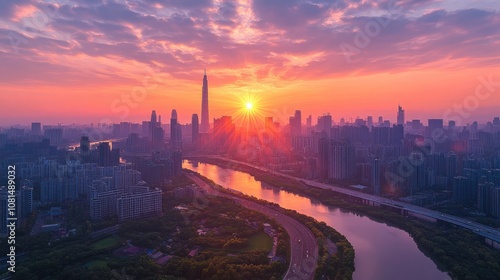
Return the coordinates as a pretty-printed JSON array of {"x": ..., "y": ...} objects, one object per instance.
[{"x": 80, "y": 63}]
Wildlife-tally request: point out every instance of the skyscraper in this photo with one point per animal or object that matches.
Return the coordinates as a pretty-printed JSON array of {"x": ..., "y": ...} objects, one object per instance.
[
  {"x": 175, "y": 131},
  {"x": 341, "y": 160},
  {"x": 195, "y": 126},
  {"x": 104, "y": 154},
  {"x": 325, "y": 124},
  {"x": 205, "y": 125},
  {"x": 296, "y": 123},
  {"x": 434, "y": 126},
  {"x": 173, "y": 125},
  {"x": 84, "y": 145},
  {"x": 36, "y": 128},
  {"x": 224, "y": 129},
  {"x": 376, "y": 176},
  {"x": 54, "y": 135},
  {"x": 369, "y": 121},
  {"x": 152, "y": 125},
  {"x": 401, "y": 116}
]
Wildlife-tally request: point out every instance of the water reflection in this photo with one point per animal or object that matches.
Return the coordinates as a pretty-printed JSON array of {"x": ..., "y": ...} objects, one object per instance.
[{"x": 382, "y": 252}]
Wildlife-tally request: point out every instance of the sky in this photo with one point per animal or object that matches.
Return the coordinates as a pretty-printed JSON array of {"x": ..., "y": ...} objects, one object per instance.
[{"x": 85, "y": 61}]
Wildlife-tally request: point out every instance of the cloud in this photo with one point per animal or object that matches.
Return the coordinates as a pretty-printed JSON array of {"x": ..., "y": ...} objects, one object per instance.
[{"x": 285, "y": 39}]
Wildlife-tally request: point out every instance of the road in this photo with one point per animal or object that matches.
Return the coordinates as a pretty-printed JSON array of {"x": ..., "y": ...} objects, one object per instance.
[
  {"x": 480, "y": 229},
  {"x": 303, "y": 245}
]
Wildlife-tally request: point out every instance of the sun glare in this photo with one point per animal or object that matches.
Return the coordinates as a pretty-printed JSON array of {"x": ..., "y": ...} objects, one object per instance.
[{"x": 249, "y": 106}]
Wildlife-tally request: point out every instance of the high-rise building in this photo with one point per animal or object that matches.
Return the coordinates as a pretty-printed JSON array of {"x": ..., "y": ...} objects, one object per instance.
[
  {"x": 397, "y": 134},
  {"x": 484, "y": 192},
  {"x": 496, "y": 121},
  {"x": 195, "y": 127},
  {"x": 296, "y": 123},
  {"x": 84, "y": 145},
  {"x": 460, "y": 185},
  {"x": 152, "y": 125},
  {"x": 107, "y": 156},
  {"x": 26, "y": 203},
  {"x": 36, "y": 128},
  {"x": 103, "y": 204},
  {"x": 141, "y": 203},
  {"x": 104, "y": 154},
  {"x": 309, "y": 121},
  {"x": 451, "y": 166},
  {"x": 495, "y": 202},
  {"x": 434, "y": 125},
  {"x": 341, "y": 162},
  {"x": 325, "y": 124},
  {"x": 401, "y": 116},
  {"x": 223, "y": 131},
  {"x": 416, "y": 180},
  {"x": 416, "y": 124},
  {"x": 376, "y": 176},
  {"x": 323, "y": 155},
  {"x": 54, "y": 135},
  {"x": 205, "y": 125},
  {"x": 155, "y": 131},
  {"x": 23, "y": 206},
  {"x": 175, "y": 131},
  {"x": 369, "y": 121}
]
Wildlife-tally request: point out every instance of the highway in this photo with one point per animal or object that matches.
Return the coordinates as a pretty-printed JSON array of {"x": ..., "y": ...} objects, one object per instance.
[
  {"x": 480, "y": 229},
  {"x": 303, "y": 245}
]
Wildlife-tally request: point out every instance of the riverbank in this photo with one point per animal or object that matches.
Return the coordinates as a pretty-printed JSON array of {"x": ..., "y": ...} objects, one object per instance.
[
  {"x": 457, "y": 251},
  {"x": 335, "y": 254}
]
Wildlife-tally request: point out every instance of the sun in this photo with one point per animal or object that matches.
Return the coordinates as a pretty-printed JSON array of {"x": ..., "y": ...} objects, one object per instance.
[{"x": 249, "y": 106}]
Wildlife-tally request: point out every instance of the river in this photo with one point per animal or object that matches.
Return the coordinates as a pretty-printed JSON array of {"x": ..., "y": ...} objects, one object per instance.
[{"x": 383, "y": 252}]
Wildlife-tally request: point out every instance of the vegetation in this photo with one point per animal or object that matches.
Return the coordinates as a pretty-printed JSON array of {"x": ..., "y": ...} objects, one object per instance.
[
  {"x": 105, "y": 243},
  {"x": 334, "y": 266},
  {"x": 234, "y": 246},
  {"x": 460, "y": 252}
]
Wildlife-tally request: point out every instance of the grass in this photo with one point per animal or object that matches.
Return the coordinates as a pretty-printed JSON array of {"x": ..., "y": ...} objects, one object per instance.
[
  {"x": 96, "y": 263},
  {"x": 260, "y": 242},
  {"x": 106, "y": 243}
]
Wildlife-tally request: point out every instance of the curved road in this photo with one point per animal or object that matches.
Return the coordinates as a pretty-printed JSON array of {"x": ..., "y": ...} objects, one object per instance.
[
  {"x": 303, "y": 245},
  {"x": 480, "y": 229}
]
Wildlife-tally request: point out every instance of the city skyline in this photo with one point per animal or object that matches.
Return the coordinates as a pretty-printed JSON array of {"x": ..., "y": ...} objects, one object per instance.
[
  {"x": 252, "y": 114},
  {"x": 348, "y": 59},
  {"x": 250, "y": 139}
]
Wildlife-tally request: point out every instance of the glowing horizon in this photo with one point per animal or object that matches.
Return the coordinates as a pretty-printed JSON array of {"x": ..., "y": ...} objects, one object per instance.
[{"x": 76, "y": 62}]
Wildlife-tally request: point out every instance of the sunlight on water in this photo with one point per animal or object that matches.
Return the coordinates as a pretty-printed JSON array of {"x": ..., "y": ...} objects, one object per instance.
[{"x": 382, "y": 252}]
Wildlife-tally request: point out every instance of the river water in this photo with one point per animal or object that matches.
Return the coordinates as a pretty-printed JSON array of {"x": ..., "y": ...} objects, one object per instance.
[{"x": 383, "y": 252}]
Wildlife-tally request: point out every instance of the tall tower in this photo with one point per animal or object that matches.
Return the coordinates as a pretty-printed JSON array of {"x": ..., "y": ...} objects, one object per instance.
[
  {"x": 173, "y": 126},
  {"x": 401, "y": 116},
  {"x": 152, "y": 125},
  {"x": 205, "y": 125}
]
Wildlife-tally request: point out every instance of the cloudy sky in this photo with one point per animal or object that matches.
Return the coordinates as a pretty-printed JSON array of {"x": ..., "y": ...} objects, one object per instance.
[{"x": 110, "y": 61}]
